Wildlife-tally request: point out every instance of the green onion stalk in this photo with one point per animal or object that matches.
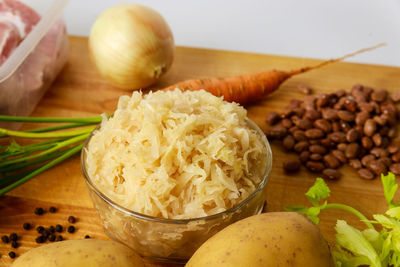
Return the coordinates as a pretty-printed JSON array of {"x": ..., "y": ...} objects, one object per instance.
[{"x": 55, "y": 144}]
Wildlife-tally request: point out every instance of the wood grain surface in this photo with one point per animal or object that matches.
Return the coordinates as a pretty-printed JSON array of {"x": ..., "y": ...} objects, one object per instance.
[{"x": 80, "y": 91}]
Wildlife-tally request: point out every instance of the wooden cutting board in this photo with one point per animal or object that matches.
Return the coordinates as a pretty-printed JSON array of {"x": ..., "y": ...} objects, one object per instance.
[{"x": 80, "y": 91}]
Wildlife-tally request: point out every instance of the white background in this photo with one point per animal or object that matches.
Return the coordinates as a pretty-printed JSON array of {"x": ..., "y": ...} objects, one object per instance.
[{"x": 303, "y": 28}]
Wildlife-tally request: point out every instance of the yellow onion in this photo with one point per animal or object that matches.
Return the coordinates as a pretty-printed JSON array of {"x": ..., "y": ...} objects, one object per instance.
[{"x": 131, "y": 45}]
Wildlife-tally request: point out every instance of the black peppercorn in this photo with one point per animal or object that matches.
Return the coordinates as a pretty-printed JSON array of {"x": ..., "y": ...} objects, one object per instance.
[
  {"x": 71, "y": 229},
  {"x": 59, "y": 238},
  {"x": 87, "y": 236},
  {"x": 40, "y": 229},
  {"x": 40, "y": 239},
  {"x": 14, "y": 244},
  {"x": 39, "y": 211},
  {"x": 45, "y": 233},
  {"x": 52, "y": 229},
  {"x": 26, "y": 226},
  {"x": 52, "y": 238},
  {"x": 59, "y": 228},
  {"x": 71, "y": 219},
  {"x": 12, "y": 254},
  {"x": 52, "y": 209},
  {"x": 5, "y": 239},
  {"x": 13, "y": 237}
]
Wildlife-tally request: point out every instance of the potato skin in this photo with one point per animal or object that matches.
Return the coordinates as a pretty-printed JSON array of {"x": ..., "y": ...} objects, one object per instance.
[
  {"x": 269, "y": 239},
  {"x": 80, "y": 253}
]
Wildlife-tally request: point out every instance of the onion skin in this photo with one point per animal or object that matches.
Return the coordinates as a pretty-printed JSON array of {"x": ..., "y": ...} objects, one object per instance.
[{"x": 131, "y": 45}]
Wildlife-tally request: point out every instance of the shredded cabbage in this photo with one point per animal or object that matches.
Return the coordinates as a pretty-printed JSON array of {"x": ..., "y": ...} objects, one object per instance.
[{"x": 176, "y": 154}]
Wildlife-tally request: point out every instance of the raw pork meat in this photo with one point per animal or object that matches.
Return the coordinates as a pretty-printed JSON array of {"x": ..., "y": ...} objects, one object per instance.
[
  {"x": 42, "y": 61},
  {"x": 16, "y": 21},
  {"x": 21, "y": 91},
  {"x": 9, "y": 40}
]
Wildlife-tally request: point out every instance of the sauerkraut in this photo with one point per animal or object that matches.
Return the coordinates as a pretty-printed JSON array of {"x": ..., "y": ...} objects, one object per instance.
[{"x": 176, "y": 155}]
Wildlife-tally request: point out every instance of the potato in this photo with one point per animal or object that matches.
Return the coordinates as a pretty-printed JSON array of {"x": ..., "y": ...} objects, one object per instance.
[
  {"x": 269, "y": 239},
  {"x": 80, "y": 253}
]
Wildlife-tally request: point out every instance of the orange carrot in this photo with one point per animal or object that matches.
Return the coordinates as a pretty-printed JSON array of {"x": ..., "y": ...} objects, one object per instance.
[{"x": 254, "y": 86}]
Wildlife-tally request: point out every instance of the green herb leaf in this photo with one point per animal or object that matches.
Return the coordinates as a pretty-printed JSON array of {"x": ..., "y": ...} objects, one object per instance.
[
  {"x": 343, "y": 258},
  {"x": 14, "y": 147},
  {"x": 311, "y": 212},
  {"x": 394, "y": 212},
  {"x": 375, "y": 238},
  {"x": 389, "y": 188},
  {"x": 390, "y": 251},
  {"x": 390, "y": 223},
  {"x": 385, "y": 250},
  {"x": 390, "y": 255},
  {"x": 315, "y": 194},
  {"x": 353, "y": 240},
  {"x": 394, "y": 225},
  {"x": 353, "y": 247},
  {"x": 318, "y": 191}
]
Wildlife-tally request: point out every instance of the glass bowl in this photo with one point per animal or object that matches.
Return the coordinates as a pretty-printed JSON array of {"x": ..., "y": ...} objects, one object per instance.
[{"x": 170, "y": 240}]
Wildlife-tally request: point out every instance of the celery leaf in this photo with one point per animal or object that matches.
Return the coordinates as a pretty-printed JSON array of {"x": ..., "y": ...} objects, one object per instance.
[
  {"x": 311, "y": 212},
  {"x": 353, "y": 240},
  {"x": 318, "y": 191},
  {"x": 394, "y": 212},
  {"x": 389, "y": 188}
]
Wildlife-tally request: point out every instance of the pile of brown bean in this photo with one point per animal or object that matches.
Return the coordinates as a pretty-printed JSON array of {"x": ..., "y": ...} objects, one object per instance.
[{"x": 329, "y": 130}]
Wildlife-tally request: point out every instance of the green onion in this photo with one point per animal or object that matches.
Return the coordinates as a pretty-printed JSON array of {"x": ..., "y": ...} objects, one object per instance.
[
  {"x": 58, "y": 127},
  {"x": 52, "y": 163},
  {"x": 17, "y": 167},
  {"x": 95, "y": 119},
  {"x": 58, "y": 146},
  {"x": 46, "y": 134},
  {"x": 20, "y": 163}
]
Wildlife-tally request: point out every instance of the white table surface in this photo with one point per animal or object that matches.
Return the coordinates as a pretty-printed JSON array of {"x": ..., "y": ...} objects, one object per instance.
[{"x": 303, "y": 28}]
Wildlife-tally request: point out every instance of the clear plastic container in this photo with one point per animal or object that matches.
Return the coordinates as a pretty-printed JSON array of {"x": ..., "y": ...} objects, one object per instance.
[
  {"x": 34, "y": 64},
  {"x": 172, "y": 240}
]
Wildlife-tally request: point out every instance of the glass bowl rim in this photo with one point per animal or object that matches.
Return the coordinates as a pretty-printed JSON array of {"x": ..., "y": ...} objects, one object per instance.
[{"x": 222, "y": 214}]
